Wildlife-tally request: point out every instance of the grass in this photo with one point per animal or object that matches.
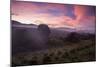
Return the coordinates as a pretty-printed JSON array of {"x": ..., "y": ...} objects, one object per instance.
[{"x": 60, "y": 51}]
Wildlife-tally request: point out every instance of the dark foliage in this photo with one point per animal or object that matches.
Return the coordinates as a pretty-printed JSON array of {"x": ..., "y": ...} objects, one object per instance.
[
  {"x": 44, "y": 29},
  {"x": 73, "y": 37}
]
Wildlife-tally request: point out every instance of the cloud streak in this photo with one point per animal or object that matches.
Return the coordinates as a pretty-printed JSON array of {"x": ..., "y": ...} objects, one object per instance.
[{"x": 55, "y": 15}]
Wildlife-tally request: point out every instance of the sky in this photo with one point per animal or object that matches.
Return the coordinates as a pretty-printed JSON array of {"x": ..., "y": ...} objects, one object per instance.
[{"x": 55, "y": 15}]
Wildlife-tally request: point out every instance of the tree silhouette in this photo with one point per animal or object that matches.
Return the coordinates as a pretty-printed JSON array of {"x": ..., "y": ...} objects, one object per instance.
[
  {"x": 42, "y": 36},
  {"x": 44, "y": 29}
]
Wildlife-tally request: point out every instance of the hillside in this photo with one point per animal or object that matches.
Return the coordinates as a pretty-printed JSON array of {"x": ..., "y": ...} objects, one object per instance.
[{"x": 31, "y": 47}]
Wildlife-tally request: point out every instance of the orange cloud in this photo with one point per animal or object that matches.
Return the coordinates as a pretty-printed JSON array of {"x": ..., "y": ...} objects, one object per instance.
[{"x": 80, "y": 11}]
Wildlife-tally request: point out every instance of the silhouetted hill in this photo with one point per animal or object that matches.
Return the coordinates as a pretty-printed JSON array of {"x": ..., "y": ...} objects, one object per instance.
[
  {"x": 87, "y": 31},
  {"x": 67, "y": 29},
  {"x": 15, "y": 22},
  {"x": 21, "y": 25}
]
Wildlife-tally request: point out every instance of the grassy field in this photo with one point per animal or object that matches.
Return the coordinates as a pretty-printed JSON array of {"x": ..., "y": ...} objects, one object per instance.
[{"x": 59, "y": 51}]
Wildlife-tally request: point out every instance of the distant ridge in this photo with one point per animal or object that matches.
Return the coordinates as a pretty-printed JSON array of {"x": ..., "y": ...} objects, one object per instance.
[
  {"x": 15, "y": 22},
  {"x": 60, "y": 29},
  {"x": 67, "y": 29},
  {"x": 19, "y": 24}
]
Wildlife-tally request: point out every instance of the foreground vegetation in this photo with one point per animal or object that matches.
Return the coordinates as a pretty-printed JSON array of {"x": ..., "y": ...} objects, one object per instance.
[{"x": 60, "y": 50}]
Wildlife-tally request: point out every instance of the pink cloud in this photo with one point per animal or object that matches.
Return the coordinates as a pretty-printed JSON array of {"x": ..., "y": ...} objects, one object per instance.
[{"x": 26, "y": 12}]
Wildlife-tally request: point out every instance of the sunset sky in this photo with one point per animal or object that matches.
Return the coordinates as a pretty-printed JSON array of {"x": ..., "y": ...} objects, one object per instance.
[{"x": 55, "y": 15}]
